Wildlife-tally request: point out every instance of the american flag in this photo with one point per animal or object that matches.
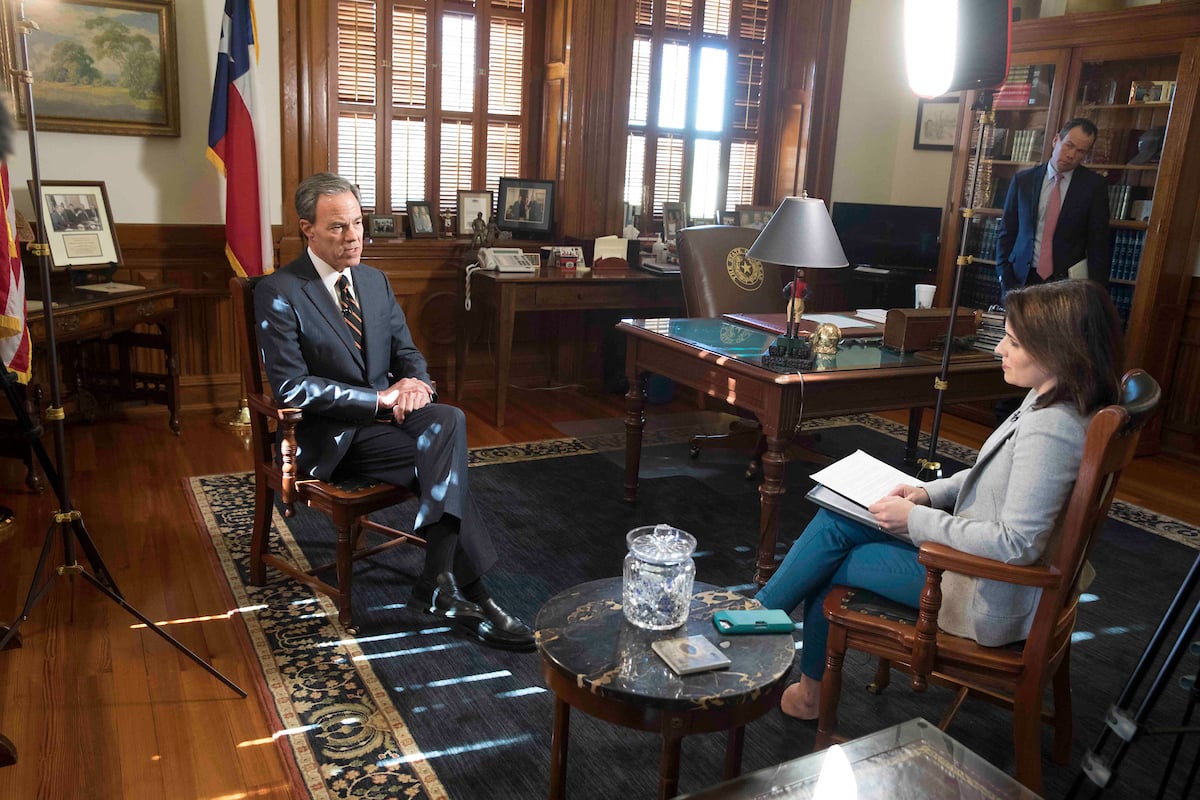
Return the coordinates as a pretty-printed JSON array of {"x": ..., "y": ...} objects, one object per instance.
[{"x": 14, "y": 333}]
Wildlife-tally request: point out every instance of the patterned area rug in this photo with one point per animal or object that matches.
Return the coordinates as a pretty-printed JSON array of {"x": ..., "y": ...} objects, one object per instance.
[{"x": 338, "y": 698}]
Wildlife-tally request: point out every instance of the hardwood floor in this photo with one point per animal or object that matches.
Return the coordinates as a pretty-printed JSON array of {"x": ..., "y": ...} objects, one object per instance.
[{"x": 98, "y": 708}]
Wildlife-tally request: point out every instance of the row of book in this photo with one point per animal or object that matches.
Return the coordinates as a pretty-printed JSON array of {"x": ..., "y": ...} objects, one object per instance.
[
  {"x": 981, "y": 286},
  {"x": 1122, "y": 297},
  {"x": 1011, "y": 144},
  {"x": 1024, "y": 87},
  {"x": 1127, "y": 254},
  {"x": 1128, "y": 202},
  {"x": 985, "y": 235}
]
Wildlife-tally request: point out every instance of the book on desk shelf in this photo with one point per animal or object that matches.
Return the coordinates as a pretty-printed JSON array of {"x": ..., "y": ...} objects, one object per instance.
[
  {"x": 851, "y": 485},
  {"x": 690, "y": 654}
]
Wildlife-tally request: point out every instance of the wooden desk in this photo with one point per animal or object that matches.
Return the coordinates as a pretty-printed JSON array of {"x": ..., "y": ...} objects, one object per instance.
[
  {"x": 85, "y": 317},
  {"x": 721, "y": 359},
  {"x": 595, "y": 661},
  {"x": 506, "y": 293}
]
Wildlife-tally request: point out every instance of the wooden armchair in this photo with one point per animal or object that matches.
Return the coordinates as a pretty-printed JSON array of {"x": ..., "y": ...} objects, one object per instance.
[
  {"x": 273, "y": 443},
  {"x": 1013, "y": 676}
]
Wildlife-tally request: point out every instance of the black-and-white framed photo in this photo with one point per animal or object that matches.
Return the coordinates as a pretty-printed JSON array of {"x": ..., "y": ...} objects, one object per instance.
[
  {"x": 937, "y": 122},
  {"x": 473, "y": 206},
  {"x": 420, "y": 220},
  {"x": 727, "y": 218},
  {"x": 675, "y": 219},
  {"x": 526, "y": 206},
  {"x": 79, "y": 224},
  {"x": 382, "y": 226},
  {"x": 756, "y": 217}
]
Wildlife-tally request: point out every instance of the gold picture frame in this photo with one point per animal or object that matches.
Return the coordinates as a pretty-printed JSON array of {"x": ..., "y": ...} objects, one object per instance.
[{"x": 132, "y": 89}]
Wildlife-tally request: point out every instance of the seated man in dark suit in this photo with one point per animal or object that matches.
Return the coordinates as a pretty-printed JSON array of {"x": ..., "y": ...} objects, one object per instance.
[
  {"x": 1056, "y": 215},
  {"x": 336, "y": 345}
]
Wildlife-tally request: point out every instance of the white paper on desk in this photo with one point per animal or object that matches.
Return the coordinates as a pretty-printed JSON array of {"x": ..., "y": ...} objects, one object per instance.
[
  {"x": 610, "y": 247},
  {"x": 110, "y": 287},
  {"x": 862, "y": 478},
  {"x": 840, "y": 320},
  {"x": 876, "y": 315}
]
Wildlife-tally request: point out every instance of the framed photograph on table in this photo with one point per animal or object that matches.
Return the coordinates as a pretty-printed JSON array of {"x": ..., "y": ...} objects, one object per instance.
[
  {"x": 103, "y": 66},
  {"x": 675, "y": 219},
  {"x": 382, "y": 226},
  {"x": 472, "y": 205},
  {"x": 526, "y": 206},
  {"x": 937, "y": 122},
  {"x": 79, "y": 224},
  {"x": 420, "y": 221},
  {"x": 755, "y": 217}
]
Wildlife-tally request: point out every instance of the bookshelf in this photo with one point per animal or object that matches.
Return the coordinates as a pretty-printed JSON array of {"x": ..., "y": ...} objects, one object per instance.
[{"x": 1135, "y": 74}]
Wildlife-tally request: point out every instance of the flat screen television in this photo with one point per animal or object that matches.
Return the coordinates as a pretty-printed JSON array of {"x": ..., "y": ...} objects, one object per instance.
[{"x": 888, "y": 236}]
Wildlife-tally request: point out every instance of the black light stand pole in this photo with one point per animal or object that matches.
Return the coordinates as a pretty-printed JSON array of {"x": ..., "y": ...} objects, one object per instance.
[
  {"x": 930, "y": 466},
  {"x": 67, "y": 519}
]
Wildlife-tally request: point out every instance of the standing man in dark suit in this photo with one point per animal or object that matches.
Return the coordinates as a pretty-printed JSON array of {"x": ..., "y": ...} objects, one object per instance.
[
  {"x": 1078, "y": 227},
  {"x": 336, "y": 345}
]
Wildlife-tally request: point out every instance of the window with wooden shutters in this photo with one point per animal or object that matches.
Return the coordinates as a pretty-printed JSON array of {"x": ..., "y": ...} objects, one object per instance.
[
  {"x": 428, "y": 97},
  {"x": 696, "y": 85}
]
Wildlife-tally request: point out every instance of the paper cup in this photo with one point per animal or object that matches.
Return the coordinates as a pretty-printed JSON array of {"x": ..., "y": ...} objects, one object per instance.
[{"x": 925, "y": 295}]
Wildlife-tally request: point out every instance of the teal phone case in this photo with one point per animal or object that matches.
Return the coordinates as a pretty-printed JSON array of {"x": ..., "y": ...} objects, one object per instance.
[{"x": 759, "y": 620}]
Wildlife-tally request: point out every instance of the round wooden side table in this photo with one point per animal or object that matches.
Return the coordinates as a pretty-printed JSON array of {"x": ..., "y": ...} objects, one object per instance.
[{"x": 595, "y": 661}]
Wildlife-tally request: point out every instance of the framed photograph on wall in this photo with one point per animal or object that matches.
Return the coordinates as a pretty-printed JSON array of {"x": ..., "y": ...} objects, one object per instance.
[
  {"x": 79, "y": 224},
  {"x": 755, "y": 217},
  {"x": 675, "y": 219},
  {"x": 937, "y": 122},
  {"x": 382, "y": 226},
  {"x": 102, "y": 66},
  {"x": 472, "y": 206},
  {"x": 526, "y": 206},
  {"x": 420, "y": 220}
]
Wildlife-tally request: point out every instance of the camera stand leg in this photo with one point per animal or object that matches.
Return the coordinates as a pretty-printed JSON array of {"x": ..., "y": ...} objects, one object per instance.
[
  {"x": 1128, "y": 727},
  {"x": 72, "y": 530}
]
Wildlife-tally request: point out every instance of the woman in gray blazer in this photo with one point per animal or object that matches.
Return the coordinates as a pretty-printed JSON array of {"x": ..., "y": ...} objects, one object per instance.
[{"x": 1063, "y": 343}]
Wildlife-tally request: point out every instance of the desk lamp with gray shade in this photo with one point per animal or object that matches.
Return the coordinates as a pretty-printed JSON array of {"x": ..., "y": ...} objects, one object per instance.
[
  {"x": 799, "y": 235},
  {"x": 952, "y": 45}
]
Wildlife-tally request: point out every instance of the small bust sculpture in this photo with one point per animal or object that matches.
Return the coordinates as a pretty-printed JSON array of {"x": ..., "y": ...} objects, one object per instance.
[
  {"x": 825, "y": 340},
  {"x": 479, "y": 229}
]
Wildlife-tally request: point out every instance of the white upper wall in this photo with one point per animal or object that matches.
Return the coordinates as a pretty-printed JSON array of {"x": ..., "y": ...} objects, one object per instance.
[
  {"x": 875, "y": 160},
  {"x": 161, "y": 179}
]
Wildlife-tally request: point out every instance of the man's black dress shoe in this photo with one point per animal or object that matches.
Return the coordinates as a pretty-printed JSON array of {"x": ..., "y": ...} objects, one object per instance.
[
  {"x": 445, "y": 599},
  {"x": 501, "y": 629}
]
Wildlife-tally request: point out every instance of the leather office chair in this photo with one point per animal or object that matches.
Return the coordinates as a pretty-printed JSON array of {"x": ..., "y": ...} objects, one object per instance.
[
  {"x": 1013, "y": 676},
  {"x": 273, "y": 443},
  {"x": 717, "y": 279}
]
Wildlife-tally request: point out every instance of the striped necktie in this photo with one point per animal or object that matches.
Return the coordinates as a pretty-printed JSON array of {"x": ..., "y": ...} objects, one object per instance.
[{"x": 351, "y": 312}]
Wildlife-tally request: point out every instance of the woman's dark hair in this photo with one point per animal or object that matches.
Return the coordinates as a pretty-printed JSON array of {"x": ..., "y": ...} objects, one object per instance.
[{"x": 1072, "y": 330}]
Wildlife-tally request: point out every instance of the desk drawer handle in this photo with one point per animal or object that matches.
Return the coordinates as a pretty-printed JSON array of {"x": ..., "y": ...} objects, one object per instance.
[
  {"x": 145, "y": 308},
  {"x": 67, "y": 324}
]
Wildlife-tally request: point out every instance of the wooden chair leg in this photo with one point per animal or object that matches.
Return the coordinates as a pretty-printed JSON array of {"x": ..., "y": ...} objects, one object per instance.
[
  {"x": 1027, "y": 741},
  {"x": 831, "y": 688},
  {"x": 883, "y": 677},
  {"x": 260, "y": 536},
  {"x": 345, "y": 565},
  {"x": 1063, "y": 718}
]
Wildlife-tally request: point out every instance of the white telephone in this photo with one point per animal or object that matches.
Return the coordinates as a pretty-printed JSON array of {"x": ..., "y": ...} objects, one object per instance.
[{"x": 508, "y": 259}]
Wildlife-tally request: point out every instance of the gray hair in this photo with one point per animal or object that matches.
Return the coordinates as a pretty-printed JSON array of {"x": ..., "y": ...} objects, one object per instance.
[{"x": 314, "y": 186}]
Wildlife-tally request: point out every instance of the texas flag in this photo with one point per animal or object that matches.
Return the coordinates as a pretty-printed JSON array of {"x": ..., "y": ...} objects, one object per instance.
[
  {"x": 235, "y": 143},
  {"x": 14, "y": 333}
]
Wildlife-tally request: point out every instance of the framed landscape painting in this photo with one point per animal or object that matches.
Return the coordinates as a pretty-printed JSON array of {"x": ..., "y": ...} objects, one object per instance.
[{"x": 103, "y": 66}]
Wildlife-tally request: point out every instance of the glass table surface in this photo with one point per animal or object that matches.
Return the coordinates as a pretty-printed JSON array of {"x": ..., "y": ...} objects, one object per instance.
[
  {"x": 910, "y": 761},
  {"x": 748, "y": 345}
]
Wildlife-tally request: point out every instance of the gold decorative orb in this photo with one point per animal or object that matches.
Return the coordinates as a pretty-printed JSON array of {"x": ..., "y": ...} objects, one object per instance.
[{"x": 825, "y": 340}]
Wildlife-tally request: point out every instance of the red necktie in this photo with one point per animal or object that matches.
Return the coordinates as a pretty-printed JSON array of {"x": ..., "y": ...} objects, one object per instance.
[{"x": 1045, "y": 265}]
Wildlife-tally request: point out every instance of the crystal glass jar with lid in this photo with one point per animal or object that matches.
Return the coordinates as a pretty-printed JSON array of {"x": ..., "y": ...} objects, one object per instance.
[{"x": 658, "y": 576}]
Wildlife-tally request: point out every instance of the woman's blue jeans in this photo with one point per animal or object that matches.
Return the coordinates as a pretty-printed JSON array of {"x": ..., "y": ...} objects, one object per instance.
[{"x": 836, "y": 550}]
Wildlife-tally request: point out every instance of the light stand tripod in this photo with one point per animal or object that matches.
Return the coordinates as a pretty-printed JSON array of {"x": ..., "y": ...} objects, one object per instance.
[
  {"x": 930, "y": 466},
  {"x": 68, "y": 520},
  {"x": 1128, "y": 727}
]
